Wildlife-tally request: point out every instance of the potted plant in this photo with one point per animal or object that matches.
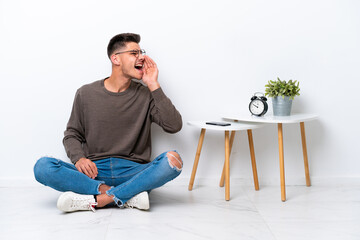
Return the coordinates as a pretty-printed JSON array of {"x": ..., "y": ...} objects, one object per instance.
[{"x": 282, "y": 94}]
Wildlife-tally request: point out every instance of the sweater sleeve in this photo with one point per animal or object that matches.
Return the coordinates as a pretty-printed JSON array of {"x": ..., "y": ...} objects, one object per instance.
[
  {"x": 75, "y": 132},
  {"x": 164, "y": 113}
]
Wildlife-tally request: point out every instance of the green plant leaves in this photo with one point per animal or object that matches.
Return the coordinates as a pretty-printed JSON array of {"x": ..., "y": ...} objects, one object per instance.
[{"x": 282, "y": 88}]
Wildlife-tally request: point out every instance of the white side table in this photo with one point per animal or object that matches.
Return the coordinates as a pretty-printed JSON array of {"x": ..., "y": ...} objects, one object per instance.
[
  {"x": 228, "y": 145},
  {"x": 293, "y": 118}
]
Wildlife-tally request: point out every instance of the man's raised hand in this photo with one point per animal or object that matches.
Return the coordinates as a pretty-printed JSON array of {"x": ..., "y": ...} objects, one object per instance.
[{"x": 151, "y": 72}]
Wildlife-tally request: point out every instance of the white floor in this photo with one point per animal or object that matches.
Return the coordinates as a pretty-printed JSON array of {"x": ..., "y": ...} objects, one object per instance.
[{"x": 309, "y": 213}]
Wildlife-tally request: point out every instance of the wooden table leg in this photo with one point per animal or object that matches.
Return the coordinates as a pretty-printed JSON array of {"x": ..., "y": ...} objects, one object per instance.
[
  {"x": 227, "y": 166},
  {"x": 281, "y": 158},
  {"x": 306, "y": 164},
  {"x": 197, "y": 156},
  {"x": 253, "y": 161},
  {"x": 222, "y": 179}
]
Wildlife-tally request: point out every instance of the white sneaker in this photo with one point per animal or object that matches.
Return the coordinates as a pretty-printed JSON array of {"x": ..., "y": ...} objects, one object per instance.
[
  {"x": 139, "y": 201},
  {"x": 71, "y": 202}
]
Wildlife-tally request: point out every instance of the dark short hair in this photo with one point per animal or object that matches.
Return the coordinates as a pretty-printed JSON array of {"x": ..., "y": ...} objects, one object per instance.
[{"x": 120, "y": 40}]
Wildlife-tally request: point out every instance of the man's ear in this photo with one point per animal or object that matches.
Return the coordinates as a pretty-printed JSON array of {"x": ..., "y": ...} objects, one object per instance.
[{"x": 115, "y": 59}]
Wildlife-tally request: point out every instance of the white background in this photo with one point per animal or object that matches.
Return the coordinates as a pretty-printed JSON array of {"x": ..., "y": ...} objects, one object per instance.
[{"x": 212, "y": 56}]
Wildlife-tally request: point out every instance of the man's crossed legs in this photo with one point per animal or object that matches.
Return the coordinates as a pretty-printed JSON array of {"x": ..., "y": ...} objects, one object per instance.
[{"x": 119, "y": 181}]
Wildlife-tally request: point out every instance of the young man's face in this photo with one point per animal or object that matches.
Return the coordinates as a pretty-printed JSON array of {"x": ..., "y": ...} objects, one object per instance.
[{"x": 131, "y": 63}]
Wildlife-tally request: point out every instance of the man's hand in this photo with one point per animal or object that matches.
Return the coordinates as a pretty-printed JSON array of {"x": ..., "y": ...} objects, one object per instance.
[
  {"x": 87, "y": 167},
  {"x": 151, "y": 72}
]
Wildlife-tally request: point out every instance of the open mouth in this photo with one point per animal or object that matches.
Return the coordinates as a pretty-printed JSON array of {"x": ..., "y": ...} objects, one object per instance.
[{"x": 139, "y": 66}]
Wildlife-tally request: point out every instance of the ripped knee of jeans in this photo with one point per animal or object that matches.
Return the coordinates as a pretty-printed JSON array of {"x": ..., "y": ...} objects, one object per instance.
[{"x": 174, "y": 160}]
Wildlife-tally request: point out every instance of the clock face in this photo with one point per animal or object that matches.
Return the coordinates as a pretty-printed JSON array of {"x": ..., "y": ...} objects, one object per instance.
[{"x": 257, "y": 107}]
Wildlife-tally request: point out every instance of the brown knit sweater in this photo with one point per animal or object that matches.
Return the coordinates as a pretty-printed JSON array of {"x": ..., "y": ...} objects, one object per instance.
[{"x": 105, "y": 124}]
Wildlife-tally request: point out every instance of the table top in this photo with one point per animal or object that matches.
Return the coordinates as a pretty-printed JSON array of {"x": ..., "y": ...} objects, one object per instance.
[
  {"x": 235, "y": 126},
  {"x": 269, "y": 118}
]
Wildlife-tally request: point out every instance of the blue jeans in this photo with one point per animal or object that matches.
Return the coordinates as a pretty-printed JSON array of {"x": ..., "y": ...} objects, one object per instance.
[{"x": 126, "y": 178}]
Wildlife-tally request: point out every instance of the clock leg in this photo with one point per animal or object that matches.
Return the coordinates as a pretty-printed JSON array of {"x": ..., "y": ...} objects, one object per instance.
[
  {"x": 222, "y": 179},
  {"x": 197, "y": 156},
  {"x": 281, "y": 159},
  {"x": 306, "y": 164}
]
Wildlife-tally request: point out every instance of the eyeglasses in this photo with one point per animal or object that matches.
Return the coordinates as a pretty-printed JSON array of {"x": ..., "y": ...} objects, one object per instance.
[{"x": 136, "y": 53}]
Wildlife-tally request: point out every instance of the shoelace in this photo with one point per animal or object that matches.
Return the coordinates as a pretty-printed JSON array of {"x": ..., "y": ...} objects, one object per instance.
[
  {"x": 84, "y": 204},
  {"x": 131, "y": 203},
  {"x": 92, "y": 206}
]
